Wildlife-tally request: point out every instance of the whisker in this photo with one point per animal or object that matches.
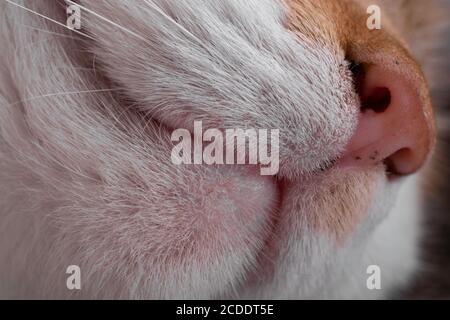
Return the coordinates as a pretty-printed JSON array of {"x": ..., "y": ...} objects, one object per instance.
[
  {"x": 68, "y": 68},
  {"x": 109, "y": 21},
  {"x": 60, "y": 94},
  {"x": 48, "y": 18},
  {"x": 46, "y": 31},
  {"x": 182, "y": 28},
  {"x": 171, "y": 20}
]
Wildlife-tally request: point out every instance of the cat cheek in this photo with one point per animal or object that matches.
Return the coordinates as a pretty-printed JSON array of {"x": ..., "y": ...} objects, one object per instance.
[{"x": 218, "y": 229}]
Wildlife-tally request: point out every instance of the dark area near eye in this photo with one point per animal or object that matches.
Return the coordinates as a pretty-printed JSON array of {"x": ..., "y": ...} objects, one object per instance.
[{"x": 356, "y": 68}]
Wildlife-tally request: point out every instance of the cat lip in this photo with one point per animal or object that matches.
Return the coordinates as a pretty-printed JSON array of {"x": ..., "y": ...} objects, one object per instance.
[
  {"x": 353, "y": 162},
  {"x": 327, "y": 165}
]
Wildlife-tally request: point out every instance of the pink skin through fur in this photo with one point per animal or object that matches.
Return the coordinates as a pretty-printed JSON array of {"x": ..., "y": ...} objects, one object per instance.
[{"x": 85, "y": 171}]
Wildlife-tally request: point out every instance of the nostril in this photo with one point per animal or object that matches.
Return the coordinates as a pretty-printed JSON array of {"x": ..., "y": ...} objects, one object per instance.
[
  {"x": 377, "y": 100},
  {"x": 398, "y": 162}
]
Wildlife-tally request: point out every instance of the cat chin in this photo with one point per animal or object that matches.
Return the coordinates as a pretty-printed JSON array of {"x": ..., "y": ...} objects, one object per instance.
[
  {"x": 327, "y": 234},
  {"x": 336, "y": 201},
  {"x": 322, "y": 228}
]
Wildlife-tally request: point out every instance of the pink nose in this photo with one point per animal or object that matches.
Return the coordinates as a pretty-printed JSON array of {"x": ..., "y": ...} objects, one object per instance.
[{"x": 393, "y": 127}]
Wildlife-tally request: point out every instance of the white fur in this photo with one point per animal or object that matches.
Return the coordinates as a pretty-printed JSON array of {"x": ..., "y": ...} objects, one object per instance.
[{"x": 86, "y": 178}]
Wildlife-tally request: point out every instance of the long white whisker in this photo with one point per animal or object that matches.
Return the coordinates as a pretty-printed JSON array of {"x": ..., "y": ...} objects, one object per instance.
[
  {"x": 182, "y": 28},
  {"x": 46, "y": 31},
  {"x": 107, "y": 20},
  {"x": 171, "y": 20},
  {"x": 60, "y": 94},
  {"x": 47, "y": 18}
]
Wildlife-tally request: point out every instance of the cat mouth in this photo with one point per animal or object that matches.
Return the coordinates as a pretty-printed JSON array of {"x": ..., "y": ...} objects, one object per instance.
[
  {"x": 339, "y": 162},
  {"x": 314, "y": 205},
  {"x": 327, "y": 165},
  {"x": 355, "y": 161}
]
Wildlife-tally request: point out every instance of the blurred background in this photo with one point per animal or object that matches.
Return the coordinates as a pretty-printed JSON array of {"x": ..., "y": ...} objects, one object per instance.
[{"x": 433, "y": 281}]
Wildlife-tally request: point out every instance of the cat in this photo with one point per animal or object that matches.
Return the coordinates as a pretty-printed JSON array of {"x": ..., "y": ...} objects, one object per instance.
[{"x": 86, "y": 177}]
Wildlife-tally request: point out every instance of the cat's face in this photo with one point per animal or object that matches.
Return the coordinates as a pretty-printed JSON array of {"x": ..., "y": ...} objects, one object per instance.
[{"x": 203, "y": 231}]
